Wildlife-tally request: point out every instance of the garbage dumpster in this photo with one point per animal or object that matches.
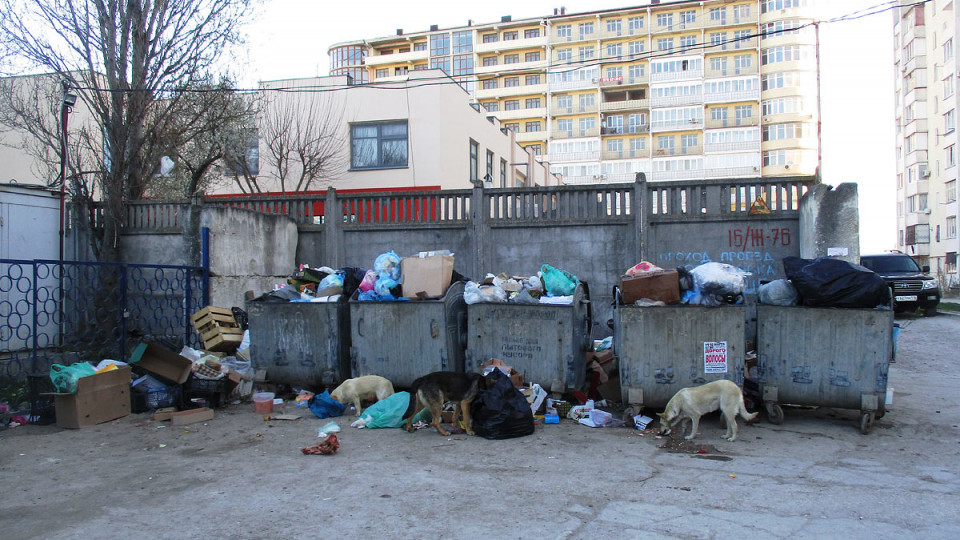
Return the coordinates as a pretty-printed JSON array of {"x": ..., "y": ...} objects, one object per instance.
[
  {"x": 405, "y": 340},
  {"x": 662, "y": 349},
  {"x": 826, "y": 357},
  {"x": 545, "y": 342},
  {"x": 301, "y": 343}
]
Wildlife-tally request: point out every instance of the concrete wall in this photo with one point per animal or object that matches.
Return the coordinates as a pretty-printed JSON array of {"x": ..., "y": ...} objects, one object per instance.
[{"x": 830, "y": 223}]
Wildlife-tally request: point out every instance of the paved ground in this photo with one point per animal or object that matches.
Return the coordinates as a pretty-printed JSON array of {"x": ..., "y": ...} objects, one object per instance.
[{"x": 814, "y": 476}]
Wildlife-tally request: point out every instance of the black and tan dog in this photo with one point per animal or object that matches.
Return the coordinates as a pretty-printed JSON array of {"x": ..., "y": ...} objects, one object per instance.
[{"x": 433, "y": 390}]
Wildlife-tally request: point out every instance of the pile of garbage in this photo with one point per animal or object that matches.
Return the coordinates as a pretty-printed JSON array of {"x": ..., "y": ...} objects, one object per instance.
[
  {"x": 708, "y": 284},
  {"x": 548, "y": 286},
  {"x": 826, "y": 282}
]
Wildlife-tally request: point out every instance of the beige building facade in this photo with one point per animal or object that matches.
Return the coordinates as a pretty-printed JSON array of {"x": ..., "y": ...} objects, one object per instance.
[
  {"x": 925, "y": 61},
  {"x": 679, "y": 90}
]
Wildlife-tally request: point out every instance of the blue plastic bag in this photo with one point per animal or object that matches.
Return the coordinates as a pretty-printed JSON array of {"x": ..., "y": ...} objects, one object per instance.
[
  {"x": 325, "y": 406},
  {"x": 558, "y": 282},
  {"x": 387, "y": 265}
]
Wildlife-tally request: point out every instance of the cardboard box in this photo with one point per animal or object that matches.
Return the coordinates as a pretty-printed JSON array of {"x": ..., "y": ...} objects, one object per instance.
[
  {"x": 516, "y": 378},
  {"x": 162, "y": 362},
  {"x": 610, "y": 390},
  {"x": 191, "y": 416},
  {"x": 657, "y": 286},
  {"x": 427, "y": 277},
  {"x": 99, "y": 398}
]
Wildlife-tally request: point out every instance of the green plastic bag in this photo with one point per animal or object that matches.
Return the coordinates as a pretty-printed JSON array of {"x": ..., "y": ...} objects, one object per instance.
[
  {"x": 65, "y": 377},
  {"x": 388, "y": 412},
  {"x": 558, "y": 282}
]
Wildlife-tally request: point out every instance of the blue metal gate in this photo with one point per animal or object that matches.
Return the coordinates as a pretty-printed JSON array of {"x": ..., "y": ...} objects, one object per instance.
[{"x": 62, "y": 312}]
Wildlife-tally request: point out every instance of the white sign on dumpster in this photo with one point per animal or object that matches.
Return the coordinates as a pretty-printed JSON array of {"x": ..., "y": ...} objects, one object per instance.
[{"x": 714, "y": 356}]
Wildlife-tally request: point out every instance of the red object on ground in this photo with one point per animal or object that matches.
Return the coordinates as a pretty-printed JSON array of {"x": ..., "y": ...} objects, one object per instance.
[{"x": 328, "y": 446}]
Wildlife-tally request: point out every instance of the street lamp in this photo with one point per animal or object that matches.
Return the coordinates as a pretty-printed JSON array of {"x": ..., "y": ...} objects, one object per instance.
[{"x": 66, "y": 105}]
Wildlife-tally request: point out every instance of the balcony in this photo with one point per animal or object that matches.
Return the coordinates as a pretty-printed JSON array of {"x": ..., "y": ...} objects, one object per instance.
[
  {"x": 511, "y": 91},
  {"x": 575, "y": 133},
  {"x": 694, "y": 174},
  {"x": 736, "y": 146},
  {"x": 730, "y": 72},
  {"x": 678, "y": 27},
  {"x": 677, "y": 101},
  {"x": 710, "y": 123},
  {"x": 727, "y": 97},
  {"x": 677, "y": 75},
  {"x": 682, "y": 125},
  {"x": 510, "y": 44},
  {"x": 568, "y": 157},
  {"x": 685, "y": 151},
  {"x": 625, "y": 130},
  {"x": 398, "y": 58},
  {"x": 625, "y": 154},
  {"x": 575, "y": 37},
  {"x": 732, "y": 172},
  {"x": 577, "y": 108},
  {"x": 530, "y": 136},
  {"x": 579, "y": 84},
  {"x": 628, "y": 105},
  {"x": 516, "y": 66},
  {"x": 539, "y": 112}
]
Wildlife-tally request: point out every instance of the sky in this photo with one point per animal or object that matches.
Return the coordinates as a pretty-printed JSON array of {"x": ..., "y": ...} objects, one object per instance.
[{"x": 290, "y": 38}]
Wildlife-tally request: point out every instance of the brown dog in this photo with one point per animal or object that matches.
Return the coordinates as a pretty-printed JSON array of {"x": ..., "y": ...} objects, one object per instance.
[{"x": 433, "y": 390}]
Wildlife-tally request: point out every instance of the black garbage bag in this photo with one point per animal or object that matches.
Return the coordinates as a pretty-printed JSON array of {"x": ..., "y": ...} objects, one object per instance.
[
  {"x": 828, "y": 282},
  {"x": 352, "y": 276},
  {"x": 500, "y": 411}
]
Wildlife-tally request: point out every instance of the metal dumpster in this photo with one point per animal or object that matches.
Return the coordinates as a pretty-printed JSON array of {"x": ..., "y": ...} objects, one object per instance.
[
  {"x": 546, "y": 343},
  {"x": 662, "y": 349},
  {"x": 405, "y": 340},
  {"x": 826, "y": 357},
  {"x": 301, "y": 343}
]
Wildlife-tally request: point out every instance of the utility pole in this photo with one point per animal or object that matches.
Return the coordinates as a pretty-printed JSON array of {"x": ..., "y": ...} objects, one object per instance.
[{"x": 66, "y": 106}]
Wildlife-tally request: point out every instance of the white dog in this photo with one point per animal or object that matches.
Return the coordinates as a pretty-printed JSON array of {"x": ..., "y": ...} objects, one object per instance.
[
  {"x": 368, "y": 387},
  {"x": 692, "y": 403}
]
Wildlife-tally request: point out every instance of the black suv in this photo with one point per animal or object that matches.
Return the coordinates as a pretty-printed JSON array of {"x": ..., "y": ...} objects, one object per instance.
[{"x": 913, "y": 287}]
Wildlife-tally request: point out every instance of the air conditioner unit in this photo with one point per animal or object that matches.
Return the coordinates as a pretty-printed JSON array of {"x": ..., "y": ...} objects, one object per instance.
[
  {"x": 925, "y": 172},
  {"x": 594, "y": 80}
]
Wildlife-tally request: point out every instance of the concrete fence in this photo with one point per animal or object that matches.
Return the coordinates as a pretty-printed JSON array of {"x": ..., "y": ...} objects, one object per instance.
[{"x": 594, "y": 232}]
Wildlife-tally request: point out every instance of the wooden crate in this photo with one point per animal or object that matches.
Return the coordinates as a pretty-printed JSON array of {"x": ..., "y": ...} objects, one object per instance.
[{"x": 218, "y": 329}]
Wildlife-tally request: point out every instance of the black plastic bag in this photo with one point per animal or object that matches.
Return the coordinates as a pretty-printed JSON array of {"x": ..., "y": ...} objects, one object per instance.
[
  {"x": 500, "y": 411},
  {"x": 828, "y": 282}
]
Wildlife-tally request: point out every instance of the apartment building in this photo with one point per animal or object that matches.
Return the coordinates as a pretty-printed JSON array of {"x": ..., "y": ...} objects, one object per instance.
[
  {"x": 679, "y": 90},
  {"x": 925, "y": 53}
]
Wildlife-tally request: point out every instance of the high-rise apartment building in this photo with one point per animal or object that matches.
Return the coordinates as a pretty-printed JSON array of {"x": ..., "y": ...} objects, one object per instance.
[
  {"x": 925, "y": 53},
  {"x": 679, "y": 90}
]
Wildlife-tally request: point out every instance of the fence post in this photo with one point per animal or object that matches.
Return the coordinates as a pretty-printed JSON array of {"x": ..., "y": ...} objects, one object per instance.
[
  {"x": 641, "y": 201},
  {"x": 332, "y": 218},
  {"x": 478, "y": 221}
]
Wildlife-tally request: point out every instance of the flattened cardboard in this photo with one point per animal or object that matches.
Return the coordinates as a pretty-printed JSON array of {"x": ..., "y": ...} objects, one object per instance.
[
  {"x": 430, "y": 276},
  {"x": 162, "y": 362},
  {"x": 659, "y": 286},
  {"x": 99, "y": 398},
  {"x": 191, "y": 416}
]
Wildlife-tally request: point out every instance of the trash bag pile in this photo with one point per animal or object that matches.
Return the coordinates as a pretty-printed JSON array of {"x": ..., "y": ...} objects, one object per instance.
[
  {"x": 548, "y": 286},
  {"x": 828, "y": 282},
  {"x": 709, "y": 284}
]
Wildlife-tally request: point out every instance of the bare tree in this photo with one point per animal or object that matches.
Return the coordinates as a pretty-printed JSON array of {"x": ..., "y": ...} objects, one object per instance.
[
  {"x": 302, "y": 139},
  {"x": 126, "y": 59}
]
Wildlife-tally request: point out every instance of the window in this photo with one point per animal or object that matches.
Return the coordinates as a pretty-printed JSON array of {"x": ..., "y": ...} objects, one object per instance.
[
  {"x": 614, "y": 50},
  {"x": 565, "y": 102},
  {"x": 503, "y": 173},
  {"x": 665, "y": 142},
  {"x": 439, "y": 44},
  {"x": 565, "y": 31},
  {"x": 688, "y": 42},
  {"x": 664, "y": 44},
  {"x": 585, "y": 29},
  {"x": 718, "y": 15},
  {"x": 947, "y": 87},
  {"x": 531, "y": 80},
  {"x": 491, "y": 38},
  {"x": 587, "y": 124},
  {"x": 586, "y": 53},
  {"x": 634, "y": 24},
  {"x": 776, "y": 132},
  {"x": 637, "y": 143},
  {"x": 531, "y": 33},
  {"x": 383, "y": 72},
  {"x": 532, "y": 103},
  {"x": 741, "y": 12},
  {"x": 948, "y": 50},
  {"x": 636, "y": 71},
  {"x": 950, "y": 260},
  {"x": 492, "y": 106},
  {"x": 743, "y": 112},
  {"x": 474, "y": 159},
  {"x": 615, "y": 73},
  {"x": 951, "y": 155},
  {"x": 949, "y": 121},
  {"x": 378, "y": 145},
  {"x": 740, "y": 38},
  {"x": 787, "y": 53},
  {"x": 531, "y": 56},
  {"x": 587, "y": 100},
  {"x": 565, "y": 124},
  {"x": 418, "y": 67},
  {"x": 420, "y": 46},
  {"x": 742, "y": 62},
  {"x": 515, "y": 126},
  {"x": 532, "y": 126},
  {"x": 614, "y": 26},
  {"x": 635, "y": 122},
  {"x": 615, "y": 145},
  {"x": 537, "y": 149},
  {"x": 767, "y": 6},
  {"x": 564, "y": 55},
  {"x": 688, "y": 16},
  {"x": 664, "y": 19},
  {"x": 689, "y": 140},
  {"x": 441, "y": 63},
  {"x": 510, "y": 82},
  {"x": 489, "y": 84},
  {"x": 950, "y": 188},
  {"x": 717, "y": 39},
  {"x": 511, "y": 58},
  {"x": 952, "y": 229},
  {"x": 636, "y": 47},
  {"x": 511, "y": 105},
  {"x": 463, "y": 64},
  {"x": 490, "y": 61},
  {"x": 614, "y": 124},
  {"x": 462, "y": 42},
  {"x": 511, "y": 35},
  {"x": 489, "y": 175},
  {"x": 401, "y": 70},
  {"x": 718, "y": 113}
]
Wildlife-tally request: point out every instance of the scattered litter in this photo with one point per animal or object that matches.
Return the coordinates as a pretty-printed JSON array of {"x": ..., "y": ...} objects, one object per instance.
[
  {"x": 732, "y": 475},
  {"x": 328, "y": 429},
  {"x": 161, "y": 446},
  {"x": 326, "y": 447},
  {"x": 282, "y": 417}
]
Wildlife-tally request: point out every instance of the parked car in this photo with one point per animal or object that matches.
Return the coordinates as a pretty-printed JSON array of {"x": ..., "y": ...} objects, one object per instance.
[{"x": 913, "y": 286}]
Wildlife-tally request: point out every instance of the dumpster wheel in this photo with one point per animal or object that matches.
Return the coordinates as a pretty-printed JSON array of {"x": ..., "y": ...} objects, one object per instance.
[
  {"x": 866, "y": 422},
  {"x": 774, "y": 413}
]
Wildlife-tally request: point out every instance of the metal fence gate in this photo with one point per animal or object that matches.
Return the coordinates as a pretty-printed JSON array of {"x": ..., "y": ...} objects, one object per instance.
[{"x": 63, "y": 312}]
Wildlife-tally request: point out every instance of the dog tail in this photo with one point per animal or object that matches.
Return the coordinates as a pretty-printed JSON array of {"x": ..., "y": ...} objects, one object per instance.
[
  {"x": 744, "y": 413},
  {"x": 413, "y": 400}
]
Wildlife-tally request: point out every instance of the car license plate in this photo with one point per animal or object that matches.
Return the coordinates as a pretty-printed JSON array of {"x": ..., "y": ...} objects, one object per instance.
[{"x": 906, "y": 298}]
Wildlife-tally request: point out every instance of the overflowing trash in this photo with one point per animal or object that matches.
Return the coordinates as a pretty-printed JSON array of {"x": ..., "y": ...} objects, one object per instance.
[{"x": 548, "y": 286}]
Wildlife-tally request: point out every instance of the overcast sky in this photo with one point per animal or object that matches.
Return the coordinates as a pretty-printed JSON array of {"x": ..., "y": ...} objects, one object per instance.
[{"x": 290, "y": 40}]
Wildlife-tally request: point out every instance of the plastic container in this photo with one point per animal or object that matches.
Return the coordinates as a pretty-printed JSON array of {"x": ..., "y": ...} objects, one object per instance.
[{"x": 263, "y": 402}]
